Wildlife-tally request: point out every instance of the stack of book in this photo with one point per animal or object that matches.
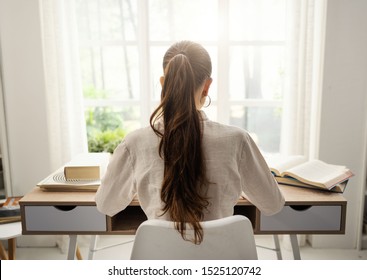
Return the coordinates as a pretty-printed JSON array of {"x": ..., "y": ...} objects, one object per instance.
[
  {"x": 10, "y": 210},
  {"x": 315, "y": 174},
  {"x": 82, "y": 173}
]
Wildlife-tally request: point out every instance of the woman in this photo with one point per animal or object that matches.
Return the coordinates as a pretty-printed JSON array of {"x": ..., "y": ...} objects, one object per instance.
[{"x": 184, "y": 167}]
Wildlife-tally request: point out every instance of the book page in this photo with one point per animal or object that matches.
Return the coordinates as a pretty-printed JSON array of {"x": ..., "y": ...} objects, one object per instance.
[
  {"x": 319, "y": 173},
  {"x": 280, "y": 164},
  {"x": 338, "y": 188}
]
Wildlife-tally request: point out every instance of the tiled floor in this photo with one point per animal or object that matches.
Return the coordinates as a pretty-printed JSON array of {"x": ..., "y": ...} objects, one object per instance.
[{"x": 121, "y": 252}]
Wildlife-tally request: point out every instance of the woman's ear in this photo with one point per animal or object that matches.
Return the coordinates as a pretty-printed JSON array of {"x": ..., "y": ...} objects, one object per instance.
[
  {"x": 207, "y": 84},
  {"x": 161, "y": 80}
]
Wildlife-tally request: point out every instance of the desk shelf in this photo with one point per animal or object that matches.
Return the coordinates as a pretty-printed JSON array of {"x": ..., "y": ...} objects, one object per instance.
[{"x": 127, "y": 221}]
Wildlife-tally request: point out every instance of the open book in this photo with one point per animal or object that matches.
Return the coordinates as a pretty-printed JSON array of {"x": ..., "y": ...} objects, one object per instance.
[
  {"x": 82, "y": 173},
  {"x": 297, "y": 171}
]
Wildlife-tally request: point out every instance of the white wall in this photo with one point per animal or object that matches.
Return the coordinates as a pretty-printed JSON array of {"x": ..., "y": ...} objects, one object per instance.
[
  {"x": 344, "y": 107},
  {"x": 24, "y": 101},
  {"x": 24, "y": 93}
]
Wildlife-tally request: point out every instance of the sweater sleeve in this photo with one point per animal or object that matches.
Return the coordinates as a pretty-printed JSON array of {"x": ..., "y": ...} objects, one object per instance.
[
  {"x": 257, "y": 182},
  {"x": 118, "y": 185}
]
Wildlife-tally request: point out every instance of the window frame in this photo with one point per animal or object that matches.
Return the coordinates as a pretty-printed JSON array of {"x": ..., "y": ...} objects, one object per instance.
[{"x": 223, "y": 102}]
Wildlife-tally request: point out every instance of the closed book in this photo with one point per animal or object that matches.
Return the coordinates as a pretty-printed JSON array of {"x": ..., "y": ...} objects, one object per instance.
[
  {"x": 82, "y": 172},
  {"x": 90, "y": 166}
]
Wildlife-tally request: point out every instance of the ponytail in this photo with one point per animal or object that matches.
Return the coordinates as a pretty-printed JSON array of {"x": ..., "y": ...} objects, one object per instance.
[{"x": 181, "y": 148}]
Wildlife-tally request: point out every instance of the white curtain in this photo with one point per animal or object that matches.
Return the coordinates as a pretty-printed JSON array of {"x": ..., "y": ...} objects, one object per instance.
[
  {"x": 64, "y": 98},
  {"x": 305, "y": 41},
  {"x": 305, "y": 37}
]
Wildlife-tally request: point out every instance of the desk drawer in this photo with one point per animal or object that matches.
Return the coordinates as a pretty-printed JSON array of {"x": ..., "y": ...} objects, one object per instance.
[
  {"x": 64, "y": 219},
  {"x": 303, "y": 219}
]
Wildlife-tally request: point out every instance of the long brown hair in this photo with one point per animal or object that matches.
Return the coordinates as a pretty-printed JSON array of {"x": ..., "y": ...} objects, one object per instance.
[{"x": 186, "y": 67}]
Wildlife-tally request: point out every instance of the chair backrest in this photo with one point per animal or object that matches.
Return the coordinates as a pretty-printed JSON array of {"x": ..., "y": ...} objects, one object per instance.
[{"x": 224, "y": 239}]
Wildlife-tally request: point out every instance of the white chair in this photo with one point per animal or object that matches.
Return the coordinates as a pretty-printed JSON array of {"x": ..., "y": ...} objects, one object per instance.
[
  {"x": 9, "y": 232},
  {"x": 93, "y": 246},
  {"x": 227, "y": 238}
]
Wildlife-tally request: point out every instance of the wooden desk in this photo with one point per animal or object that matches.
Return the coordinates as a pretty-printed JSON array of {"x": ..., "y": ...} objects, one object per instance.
[{"x": 74, "y": 213}]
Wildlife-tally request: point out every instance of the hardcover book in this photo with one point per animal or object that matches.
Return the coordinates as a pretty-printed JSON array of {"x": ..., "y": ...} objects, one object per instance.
[
  {"x": 90, "y": 166},
  {"x": 297, "y": 171}
]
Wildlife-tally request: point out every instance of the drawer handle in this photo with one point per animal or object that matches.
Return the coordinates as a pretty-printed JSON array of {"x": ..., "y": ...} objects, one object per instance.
[
  {"x": 65, "y": 207},
  {"x": 300, "y": 207}
]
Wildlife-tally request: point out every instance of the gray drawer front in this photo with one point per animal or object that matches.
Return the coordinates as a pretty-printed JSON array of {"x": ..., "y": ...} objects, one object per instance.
[
  {"x": 315, "y": 218},
  {"x": 51, "y": 218}
]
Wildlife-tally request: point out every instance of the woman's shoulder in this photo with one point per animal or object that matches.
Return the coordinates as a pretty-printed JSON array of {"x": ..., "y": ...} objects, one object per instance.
[
  {"x": 139, "y": 135},
  {"x": 142, "y": 138},
  {"x": 138, "y": 132},
  {"x": 220, "y": 129},
  {"x": 230, "y": 140},
  {"x": 136, "y": 140}
]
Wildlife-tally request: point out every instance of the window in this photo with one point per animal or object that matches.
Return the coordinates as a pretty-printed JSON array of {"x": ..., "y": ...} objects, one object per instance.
[{"x": 122, "y": 43}]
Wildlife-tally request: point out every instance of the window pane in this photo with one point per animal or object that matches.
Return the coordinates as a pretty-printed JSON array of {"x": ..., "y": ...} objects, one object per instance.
[
  {"x": 156, "y": 61},
  {"x": 257, "y": 20},
  {"x": 107, "y": 20},
  {"x": 106, "y": 126},
  {"x": 263, "y": 123},
  {"x": 113, "y": 69},
  {"x": 90, "y": 67},
  {"x": 183, "y": 20},
  {"x": 213, "y": 52},
  {"x": 256, "y": 72},
  {"x": 121, "y": 72},
  {"x": 111, "y": 118}
]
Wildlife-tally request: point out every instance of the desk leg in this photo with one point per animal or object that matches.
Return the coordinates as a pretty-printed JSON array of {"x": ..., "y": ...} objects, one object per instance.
[
  {"x": 72, "y": 247},
  {"x": 277, "y": 247},
  {"x": 295, "y": 246},
  {"x": 3, "y": 253},
  {"x": 11, "y": 248},
  {"x": 92, "y": 246},
  {"x": 78, "y": 254}
]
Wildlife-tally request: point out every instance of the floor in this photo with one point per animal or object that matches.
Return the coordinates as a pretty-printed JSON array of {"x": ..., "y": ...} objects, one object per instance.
[{"x": 264, "y": 243}]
